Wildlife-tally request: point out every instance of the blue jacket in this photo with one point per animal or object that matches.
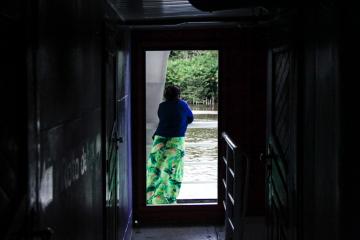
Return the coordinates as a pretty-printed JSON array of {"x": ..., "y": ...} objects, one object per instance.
[{"x": 174, "y": 117}]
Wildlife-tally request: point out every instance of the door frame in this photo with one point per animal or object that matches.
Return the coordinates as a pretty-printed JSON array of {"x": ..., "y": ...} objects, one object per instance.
[{"x": 180, "y": 214}]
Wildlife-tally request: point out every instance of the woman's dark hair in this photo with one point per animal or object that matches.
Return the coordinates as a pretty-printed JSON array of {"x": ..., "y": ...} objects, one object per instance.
[{"x": 172, "y": 92}]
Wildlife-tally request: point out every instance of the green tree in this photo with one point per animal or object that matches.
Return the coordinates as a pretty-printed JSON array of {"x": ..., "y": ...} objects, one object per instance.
[{"x": 196, "y": 72}]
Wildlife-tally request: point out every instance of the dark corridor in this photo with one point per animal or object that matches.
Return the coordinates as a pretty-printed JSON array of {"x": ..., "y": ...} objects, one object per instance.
[{"x": 72, "y": 100}]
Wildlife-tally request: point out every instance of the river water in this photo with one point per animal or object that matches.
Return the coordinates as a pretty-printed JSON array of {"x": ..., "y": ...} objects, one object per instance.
[{"x": 201, "y": 155}]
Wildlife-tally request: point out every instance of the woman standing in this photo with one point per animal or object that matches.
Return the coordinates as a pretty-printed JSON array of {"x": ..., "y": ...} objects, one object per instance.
[{"x": 165, "y": 163}]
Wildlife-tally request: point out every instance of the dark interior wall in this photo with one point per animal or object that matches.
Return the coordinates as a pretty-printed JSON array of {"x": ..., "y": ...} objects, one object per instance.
[
  {"x": 315, "y": 35},
  {"x": 13, "y": 125},
  {"x": 68, "y": 73},
  {"x": 321, "y": 127},
  {"x": 349, "y": 119},
  {"x": 51, "y": 171},
  {"x": 242, "y": 94}
]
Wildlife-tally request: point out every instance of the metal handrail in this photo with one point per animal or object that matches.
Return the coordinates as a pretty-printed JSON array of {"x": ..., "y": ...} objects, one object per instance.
[
  {"x": 229, "y": 141},
  {"x": 240, "y": 189}
]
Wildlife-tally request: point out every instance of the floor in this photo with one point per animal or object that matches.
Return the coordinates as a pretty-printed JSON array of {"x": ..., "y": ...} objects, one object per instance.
[{"x": 179, "y": 233}]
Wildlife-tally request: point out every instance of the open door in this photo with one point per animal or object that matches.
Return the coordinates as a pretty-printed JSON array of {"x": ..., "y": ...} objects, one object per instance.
[
  {"x": 281, "y": 154},
  {"x": 118, "y": 197}
]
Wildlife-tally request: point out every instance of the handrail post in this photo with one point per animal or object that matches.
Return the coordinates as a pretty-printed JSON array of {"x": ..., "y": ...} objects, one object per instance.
[{"x": 236, "y": 188}]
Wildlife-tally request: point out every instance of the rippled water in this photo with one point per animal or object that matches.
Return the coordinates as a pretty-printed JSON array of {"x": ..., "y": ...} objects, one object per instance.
[{"x": 200, "y": 163}]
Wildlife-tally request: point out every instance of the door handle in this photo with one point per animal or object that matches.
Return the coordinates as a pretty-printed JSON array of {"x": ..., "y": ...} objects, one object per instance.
[
  {"x": 266, "y": 157},
  {"x": 118, "y": 139}
]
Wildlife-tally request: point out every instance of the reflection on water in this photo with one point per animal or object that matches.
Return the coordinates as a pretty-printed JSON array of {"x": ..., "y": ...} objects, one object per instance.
[
  {"x": 200, "y": 163},
  {"x": 199, "y": 135}
]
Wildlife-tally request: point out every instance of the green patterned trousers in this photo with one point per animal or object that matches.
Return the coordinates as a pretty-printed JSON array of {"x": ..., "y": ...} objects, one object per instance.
[{"x": 164, "y": 170}]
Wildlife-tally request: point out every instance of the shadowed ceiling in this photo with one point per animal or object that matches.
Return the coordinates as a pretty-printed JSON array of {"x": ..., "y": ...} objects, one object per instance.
[{"x": 143, "y": 11}]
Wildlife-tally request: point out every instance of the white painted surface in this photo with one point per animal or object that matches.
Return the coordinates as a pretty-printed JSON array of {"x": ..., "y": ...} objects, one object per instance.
[
  {"x": 198, "y": 191},
  {"x": 199, "y": 112}
]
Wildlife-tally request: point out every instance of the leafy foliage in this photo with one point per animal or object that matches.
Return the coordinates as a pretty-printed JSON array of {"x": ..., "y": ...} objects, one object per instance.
[{"x": 196, "y": 72}]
